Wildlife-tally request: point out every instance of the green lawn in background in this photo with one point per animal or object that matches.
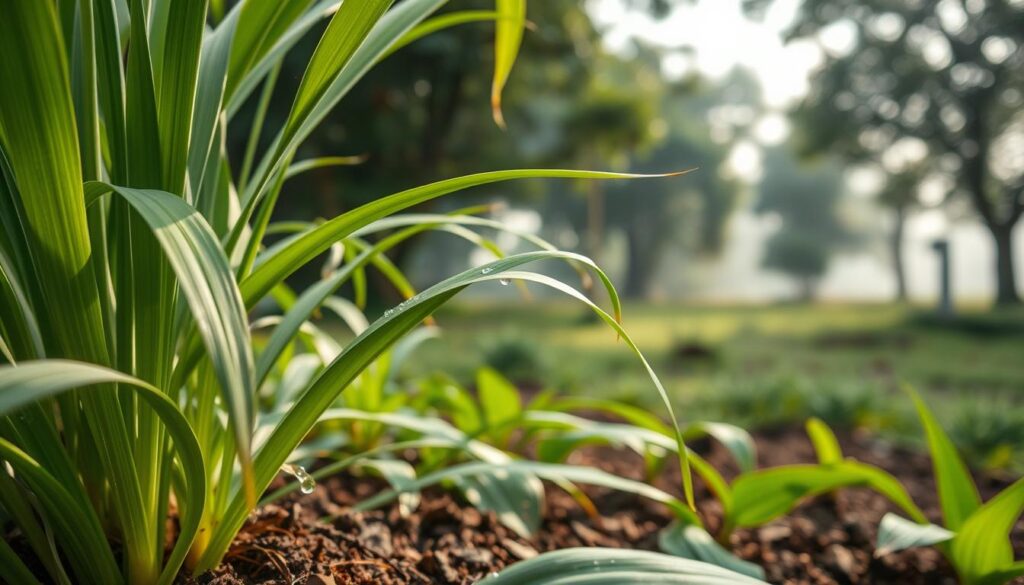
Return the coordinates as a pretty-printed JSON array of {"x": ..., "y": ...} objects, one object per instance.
[{"x": 763, "y": 365}]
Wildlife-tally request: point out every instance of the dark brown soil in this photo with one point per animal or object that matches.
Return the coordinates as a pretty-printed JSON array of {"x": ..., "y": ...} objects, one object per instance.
[{"x": 826, "y": 540}]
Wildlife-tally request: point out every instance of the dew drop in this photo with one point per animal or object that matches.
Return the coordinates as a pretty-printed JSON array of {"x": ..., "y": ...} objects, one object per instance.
[
  {"x": 306, "y": 482},
  {"x": 486, "y": 270},
  {"x": 389, "y": 312},
  {"x": 504, "y": 281}
]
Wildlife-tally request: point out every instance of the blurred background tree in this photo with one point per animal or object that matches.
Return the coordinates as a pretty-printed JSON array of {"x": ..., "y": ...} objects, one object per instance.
[
  {"x": 572, "y": 104},
  {"x": 945, "y": 77},
  {"x": 805, "y": 198}
]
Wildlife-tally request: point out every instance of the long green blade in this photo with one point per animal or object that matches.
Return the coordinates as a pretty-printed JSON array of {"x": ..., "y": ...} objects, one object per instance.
[
  {"x": 982, "y": 545},
  {"x": 277, "y": 267},
  {"x": 31, "y": 381},
  {"x": 209, "y": 287},
  {"x": 958, "y": 496},
  {"x": 507, "y": 38}
]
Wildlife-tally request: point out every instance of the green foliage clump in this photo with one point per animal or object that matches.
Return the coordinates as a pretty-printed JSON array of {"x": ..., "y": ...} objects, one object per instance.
[{"x": 133, "y": 251}]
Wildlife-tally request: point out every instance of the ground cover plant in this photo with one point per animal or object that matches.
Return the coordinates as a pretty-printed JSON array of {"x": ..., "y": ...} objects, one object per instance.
[
  {"x": 767, "y": 366},
  {"x": 975, "y": 535},
  {"x": 132, "y": 253}
]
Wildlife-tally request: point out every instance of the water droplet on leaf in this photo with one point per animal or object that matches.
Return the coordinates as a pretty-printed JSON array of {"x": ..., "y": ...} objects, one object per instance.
[
  {"x": 504, "y": 281},
  {"x": 306, "y": 482}
]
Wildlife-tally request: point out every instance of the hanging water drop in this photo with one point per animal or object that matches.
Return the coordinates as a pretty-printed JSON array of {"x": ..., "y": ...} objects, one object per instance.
[
  {"x": 306, "y": 482},
  {"x": 504, "y": 281}
]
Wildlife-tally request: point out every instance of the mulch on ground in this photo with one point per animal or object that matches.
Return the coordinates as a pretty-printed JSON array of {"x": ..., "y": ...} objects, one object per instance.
[{"x": 828, "y": 539}]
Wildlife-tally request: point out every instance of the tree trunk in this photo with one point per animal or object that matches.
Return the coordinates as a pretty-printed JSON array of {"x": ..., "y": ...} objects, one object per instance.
[
  {"x": 644, "y": 254},
  {"x": 1006, "y": 282},
  {"x": 896, "y": 248},
  {"x": 808, "y": 289}
]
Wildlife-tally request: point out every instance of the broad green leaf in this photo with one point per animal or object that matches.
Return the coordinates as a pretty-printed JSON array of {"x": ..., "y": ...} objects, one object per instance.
[
  {"x": 958, "y": 495},
  {"x": 507, "y": 38},
  {"x": 604, "y": 566},
  {"x": 30, "y": 381},
  {"x": 454, "y": 401},
  {"x": 499, "y": 400},
  {"x": 144, "y": 136},
  {"x": 896, "y": 533},
  {"x": 826, "y": 446},
  {"x": 693, "y": 542},
  {"x": 763, "y": 495},
  {"x": 982, "y": 544},
  {"x": 207, "y": 283}
]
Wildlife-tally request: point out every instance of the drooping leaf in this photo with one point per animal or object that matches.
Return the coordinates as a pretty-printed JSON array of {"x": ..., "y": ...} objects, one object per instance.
[
  {"x": 603, "y": 566},
  {"x": 982, "y": 545},
  {"x": 209, "y": 287},
  {"x": 896, "y": 533},
  {"x": 507, "y": 38},
  {"x": 958, "y": 496},
  {"x": 826, "y": 446},
  {"x": 693, "y": 542},
  {"x": 309, "y": 245},
  {"x": 30, "y": 381},
  {"x": 766, "y": 494}
]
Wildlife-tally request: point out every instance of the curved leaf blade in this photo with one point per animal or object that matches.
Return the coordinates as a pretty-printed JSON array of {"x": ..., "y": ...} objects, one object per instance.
[
  {"x": 209, "y": 287},
  {"x": 31, "y": 381},
  {"x": 896, "y": 533},
  {"x": 310, "y": 244},
  {"x": 958, "y": 495},
  {"x": 603, "y": 566},
  {"x": 693, "y": 542},
  {"x": 982, "y": 544}
]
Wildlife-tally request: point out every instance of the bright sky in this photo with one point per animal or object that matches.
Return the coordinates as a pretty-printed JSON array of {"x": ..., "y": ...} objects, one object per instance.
[{"x": 722, "y": 37}]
